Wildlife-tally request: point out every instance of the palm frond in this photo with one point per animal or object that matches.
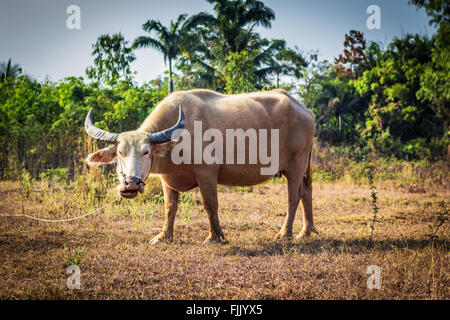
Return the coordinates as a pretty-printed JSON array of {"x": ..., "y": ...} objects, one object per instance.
[
  {"x": 146, "y": 42},
  {"x": 200, "y": 19},
  {"x": 180, "y": 19},
  {"x": 151, "y": 25},
  {"x": 260, "y": 14},
  {"x": 264, "y": 72},
  {"x": 9, "y": 70}
]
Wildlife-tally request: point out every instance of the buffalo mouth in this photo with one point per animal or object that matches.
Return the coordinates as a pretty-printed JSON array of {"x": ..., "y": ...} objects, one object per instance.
[{"x": 129, "y": 193}]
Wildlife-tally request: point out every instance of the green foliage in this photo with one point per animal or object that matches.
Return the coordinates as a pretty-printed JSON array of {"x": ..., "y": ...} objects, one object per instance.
[
  {"x": 76, "y": 257},
  {"x": 435, "y": 80},
  {"x": 112, "y": 59},
  {"x": 230, "y": 31},
  {"x": 392, "y": 102},
  {"x": 374, "y": 199},
  {"x": 312, "y": 80},
  {"x": 233, "y": 23},
  {"x": 377, "y": 100},
  {"x": 27, "y": 111},
  {"x": 245, "y": 189},
  {"x": 58, "y": 175},
  {"x": 352, "y": 62},
  {"x": 26, "y": 182},
  {"x": 281, "y": 60},
  {"x": 338, "y": 109},
  {"x": 322, "y": 175},
  {"x": 439, "y": 10},
  {"x": 41, "y": 124},
  {"x": 186, "y": 198},
  {"x": 239, "y": 72},
  {"x": 397, "y": 122},
  {"x": 9, "y": 70}
]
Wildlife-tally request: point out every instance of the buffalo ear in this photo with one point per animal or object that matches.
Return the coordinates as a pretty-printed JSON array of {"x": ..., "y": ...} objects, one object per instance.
[
  {"x": 103, "y": 156},
  {"x": 162, "y": 149}
]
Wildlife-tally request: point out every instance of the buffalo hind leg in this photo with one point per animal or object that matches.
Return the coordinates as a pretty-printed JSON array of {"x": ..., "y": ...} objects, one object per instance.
[
  {"x": 208, "y": 190},
  {"x": 306, "y": 203},
  {"x": 171, "y": 206},
  {"x": 294, "y": 176}
]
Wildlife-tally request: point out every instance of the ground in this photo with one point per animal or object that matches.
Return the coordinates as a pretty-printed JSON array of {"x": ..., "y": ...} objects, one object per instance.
[{"x": 117, "y": 262}]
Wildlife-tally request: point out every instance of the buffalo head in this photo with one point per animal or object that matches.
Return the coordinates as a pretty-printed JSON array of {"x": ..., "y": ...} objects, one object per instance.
[{"x": 133, "y": 151}]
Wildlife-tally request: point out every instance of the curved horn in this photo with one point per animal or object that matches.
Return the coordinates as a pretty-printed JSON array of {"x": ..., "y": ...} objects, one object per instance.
[
  {"x": 96, "y": 133},
  {"x": 166, "y": 135}
]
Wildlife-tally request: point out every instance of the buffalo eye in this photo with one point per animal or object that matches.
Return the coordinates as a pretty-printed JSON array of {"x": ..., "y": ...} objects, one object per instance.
[{"x": 145, "y": 153}]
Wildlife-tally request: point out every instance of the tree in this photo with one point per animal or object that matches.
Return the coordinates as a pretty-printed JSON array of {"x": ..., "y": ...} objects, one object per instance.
[
  {"x": 112, "y": 60},
  {"x": 397, "y": 120},
  {"x": 234, "y": 22},
  {"x": 435, "y": 81},
  {"x": 230, "y": 30},
  {"x": 350, "y": 63},
  {"x": 9, "y": 70},
  {"x": 439, "y": 10},
  {"x": 339, "y": 107},
  {"x": 281, "y": 60},
  {"x": 312, "y": 79},
  {"x": 170, "y": 42},
  {"x": 239, "y": 72},
  {"x": 204, "y": 64}
]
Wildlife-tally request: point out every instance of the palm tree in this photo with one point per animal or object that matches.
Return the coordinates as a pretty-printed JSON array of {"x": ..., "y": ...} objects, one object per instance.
[
  {"x": 9, "y": 70},
  {"x": 337, "y": 101},
  {"x": 204, "y": 63},
  {"x": 231, "y": 29},
  {"x": 281, "y": 60},
  {"x": 170, "y": 41},
  {"x": 234, "y": 21}
]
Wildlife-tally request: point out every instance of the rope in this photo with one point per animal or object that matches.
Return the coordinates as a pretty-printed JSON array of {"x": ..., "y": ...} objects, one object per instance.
[{"x": 61, "y": 220}]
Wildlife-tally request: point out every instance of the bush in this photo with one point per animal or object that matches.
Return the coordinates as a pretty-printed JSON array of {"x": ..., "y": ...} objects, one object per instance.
[{"x": 41, "y": 124}]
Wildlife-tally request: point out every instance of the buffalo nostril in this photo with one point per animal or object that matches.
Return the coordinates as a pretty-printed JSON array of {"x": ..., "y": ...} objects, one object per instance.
[{"x": 134, "y": 181}]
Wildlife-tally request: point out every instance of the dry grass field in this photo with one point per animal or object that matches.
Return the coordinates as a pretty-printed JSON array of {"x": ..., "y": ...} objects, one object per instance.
[{"x": 116, "y": 261}]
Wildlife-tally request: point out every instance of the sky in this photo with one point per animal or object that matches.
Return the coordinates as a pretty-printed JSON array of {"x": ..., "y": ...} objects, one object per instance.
[{"x": 33, "y": 33}]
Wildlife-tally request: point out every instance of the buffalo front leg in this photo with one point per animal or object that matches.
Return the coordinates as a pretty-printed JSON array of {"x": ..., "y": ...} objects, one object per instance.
[
  {"x": 208, "y": 189},
  {"x": 171, "y": 206}
]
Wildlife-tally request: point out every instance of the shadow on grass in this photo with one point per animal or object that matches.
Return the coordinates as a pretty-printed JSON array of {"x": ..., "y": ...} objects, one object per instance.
[
  {"x": 16, "y": 244},
  {"x": 353, "y": 246}
]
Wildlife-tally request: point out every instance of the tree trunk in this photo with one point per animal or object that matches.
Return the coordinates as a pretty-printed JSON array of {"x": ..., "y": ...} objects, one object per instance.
[
  {"x": 340, "y": 125},
  {"x": 170, "y": 77}
]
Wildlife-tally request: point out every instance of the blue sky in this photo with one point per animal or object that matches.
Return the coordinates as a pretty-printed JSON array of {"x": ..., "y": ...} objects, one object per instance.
[{"x": 34, "y": 33}]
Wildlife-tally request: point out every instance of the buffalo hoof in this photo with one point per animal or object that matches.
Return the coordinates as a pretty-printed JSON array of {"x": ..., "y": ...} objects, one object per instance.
[
  {"x": 214, "y": 238},
  {"x": 155, "y": 241},
  {"x": 159, "y": 239},
  {"x": 305, "y": 233},
  {"x": 283, "y": 235}
]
